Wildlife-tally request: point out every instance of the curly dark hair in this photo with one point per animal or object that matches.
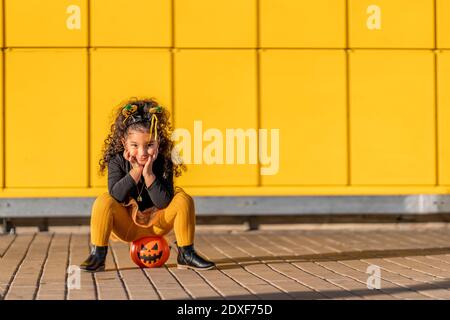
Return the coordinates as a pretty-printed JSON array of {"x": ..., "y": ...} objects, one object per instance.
[{"x": 113, "y": 143}]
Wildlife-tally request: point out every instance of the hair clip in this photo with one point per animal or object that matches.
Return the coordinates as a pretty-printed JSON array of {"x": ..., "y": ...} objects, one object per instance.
[
  {"x": 154, "y": 120},
  {"x": 154, "y": 126},
  {"x": 157, "y": 109},
  {"x": 129, "y": 110}
]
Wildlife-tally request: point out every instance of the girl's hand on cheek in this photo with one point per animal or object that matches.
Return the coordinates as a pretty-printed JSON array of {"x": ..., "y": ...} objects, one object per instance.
[
  {"x": 126, "y": 155},
  {"x": 134, "y": 163},
  {"x": 136, "y": 168},
  {"x": 149, "y": 177},
  {"x": 148, "y": 167}
]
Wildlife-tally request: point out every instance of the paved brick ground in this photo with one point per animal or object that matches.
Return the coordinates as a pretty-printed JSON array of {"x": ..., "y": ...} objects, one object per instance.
[{"x": 267, "y": 264}]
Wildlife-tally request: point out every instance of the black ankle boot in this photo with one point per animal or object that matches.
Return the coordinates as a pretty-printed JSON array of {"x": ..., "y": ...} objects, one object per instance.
[
  {"x": 189, "y": 259},
  {"x": 96, "y": 260}
]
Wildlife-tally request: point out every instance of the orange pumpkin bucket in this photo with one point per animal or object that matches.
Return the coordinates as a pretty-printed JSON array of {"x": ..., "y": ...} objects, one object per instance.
[{"x": 150, "y": 252}]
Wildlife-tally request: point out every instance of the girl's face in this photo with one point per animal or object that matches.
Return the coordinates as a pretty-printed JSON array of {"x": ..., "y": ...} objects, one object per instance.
[{"x": 140, "y": 146}]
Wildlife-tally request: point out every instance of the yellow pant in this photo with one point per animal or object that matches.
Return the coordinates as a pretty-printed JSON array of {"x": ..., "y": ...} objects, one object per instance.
[{"x": 111, "y": 217}]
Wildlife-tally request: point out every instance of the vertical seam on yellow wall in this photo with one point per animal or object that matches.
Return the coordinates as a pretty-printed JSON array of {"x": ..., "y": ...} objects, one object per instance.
[
  {"x": 258, "y": 89},
  {"x": 88, "y": 97},
  {"x": 3, "y": 182},
  {"x": 436, "y": 118},
  {"x": 4, "y": 23},
  {"x": 347, "y": 103},
  {"x": 258, "y": 26},
  {"x": 172, "y": 62},
  {"x": 347, "y": 90},
  {"x": 172, "y": 23},
  {"x": 347, "y": 32},
  {"x": 436, "y": 100},
  {"x": 435, "y": 23}
]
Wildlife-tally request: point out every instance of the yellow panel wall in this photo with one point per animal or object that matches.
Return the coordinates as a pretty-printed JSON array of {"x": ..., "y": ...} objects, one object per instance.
[
  {"x": 46, "y": 23},
  {"x": 391, "y": 23},
  {"x": 137, "y": 23},
  {"x": 303, "y": 93},
  {"x": 303, "y": 23},
  {"x": 217, "y": 88},
  {"x": 357, "y": 115},
  {"x": 46, "y": 118},
  {"x": 443, "y": 77},
  {"x": 2, "y": 172},
  {"x": 218, "y": 23},
  {"x": 2, "y": 22},
  {"x": 154, "y": 77},
  {"x": 392, "y": 117},
  {"x": 443, "y": 23}
]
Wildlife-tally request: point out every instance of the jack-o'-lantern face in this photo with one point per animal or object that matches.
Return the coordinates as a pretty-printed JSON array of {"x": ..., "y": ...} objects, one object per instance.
[{"x": 150, "y": 252}]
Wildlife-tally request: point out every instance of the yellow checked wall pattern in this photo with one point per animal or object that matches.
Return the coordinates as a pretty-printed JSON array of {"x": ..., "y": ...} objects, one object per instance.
[{"x": 360, "y": 90}]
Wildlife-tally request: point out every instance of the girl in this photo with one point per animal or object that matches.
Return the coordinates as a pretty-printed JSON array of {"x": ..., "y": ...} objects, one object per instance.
[{"x": 141, "y": 199}]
